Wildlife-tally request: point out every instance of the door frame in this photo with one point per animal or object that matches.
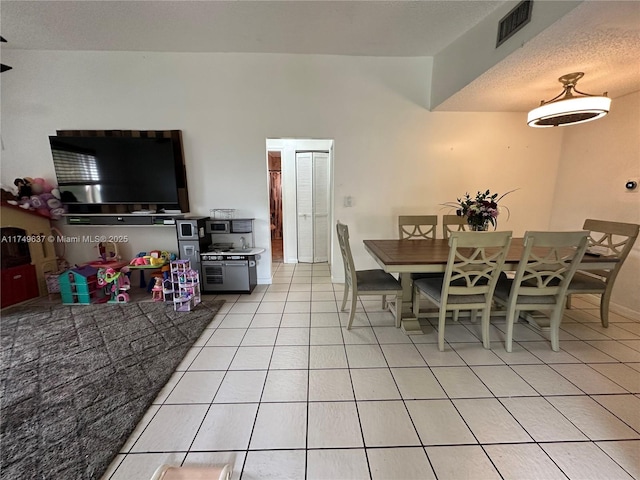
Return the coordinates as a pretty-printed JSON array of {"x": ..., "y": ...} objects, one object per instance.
[{"x": 288, "y": 148}]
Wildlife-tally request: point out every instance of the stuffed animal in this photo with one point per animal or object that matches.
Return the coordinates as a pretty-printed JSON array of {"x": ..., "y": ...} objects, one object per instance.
[
  {"x": 39, "y": 195},
  {"x": 24, "y": 187}
]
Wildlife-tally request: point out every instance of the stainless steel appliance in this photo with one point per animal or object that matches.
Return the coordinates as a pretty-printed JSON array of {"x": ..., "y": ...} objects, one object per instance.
[
  {"x": 192, "y": 240},
  {"x": 218, "y": 226},
  {"x": 228, "y": 273}
]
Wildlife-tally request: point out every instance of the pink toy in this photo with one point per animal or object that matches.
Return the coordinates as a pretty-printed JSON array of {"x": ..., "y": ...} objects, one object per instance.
[
  {"x": 138, "y": 261},
  {"x": 157, "y": 291}
]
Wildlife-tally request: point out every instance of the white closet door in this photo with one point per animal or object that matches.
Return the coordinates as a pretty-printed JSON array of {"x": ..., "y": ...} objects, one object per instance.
[
  {"x": 320, "y": 207},
  {"x": 304, "y": 193}
]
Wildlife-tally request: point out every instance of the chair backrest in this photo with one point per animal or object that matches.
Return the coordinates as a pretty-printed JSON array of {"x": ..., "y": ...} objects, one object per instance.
[
  {"x": 548, "y": 262},
  {"x": 613, "y": 239},
  {"x": 415, "y": 227},
  {"x": 450, "y": 221},
  {"x": 347, "y": 258},
  {"x": 475, "y": 262}
]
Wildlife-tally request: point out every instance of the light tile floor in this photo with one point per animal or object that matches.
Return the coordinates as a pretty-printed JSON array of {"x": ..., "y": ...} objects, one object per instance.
[{"x": 278, "y": 388}]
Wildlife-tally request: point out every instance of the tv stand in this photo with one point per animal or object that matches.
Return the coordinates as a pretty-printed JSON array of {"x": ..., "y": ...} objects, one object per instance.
[{"x": 123, "y": 219}]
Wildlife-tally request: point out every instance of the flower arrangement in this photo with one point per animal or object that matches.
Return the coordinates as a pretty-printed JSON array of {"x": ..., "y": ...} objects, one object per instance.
[{"x": 481, "y": 210}]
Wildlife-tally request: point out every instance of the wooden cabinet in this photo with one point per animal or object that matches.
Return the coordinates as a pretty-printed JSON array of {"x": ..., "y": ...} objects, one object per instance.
[{"x": 18, "y": 284}]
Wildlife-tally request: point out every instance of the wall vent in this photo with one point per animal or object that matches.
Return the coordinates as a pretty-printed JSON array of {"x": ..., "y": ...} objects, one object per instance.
[{"x": 513, "y": 21}]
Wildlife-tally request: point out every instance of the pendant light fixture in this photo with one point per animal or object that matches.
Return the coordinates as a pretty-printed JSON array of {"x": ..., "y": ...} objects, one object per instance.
[{"x": 569, "y": 108}]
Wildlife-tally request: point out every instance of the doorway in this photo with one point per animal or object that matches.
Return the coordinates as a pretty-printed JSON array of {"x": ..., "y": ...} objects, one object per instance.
[
  {"x": 275, "y": 205},
  {"x": 296, "y": 243}
]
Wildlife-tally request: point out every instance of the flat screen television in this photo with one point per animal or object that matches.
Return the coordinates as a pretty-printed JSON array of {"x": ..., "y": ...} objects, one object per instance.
[{"x": 112, "y": 170}]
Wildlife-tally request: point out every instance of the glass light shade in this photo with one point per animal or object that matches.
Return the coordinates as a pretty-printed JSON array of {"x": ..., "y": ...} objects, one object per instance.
[{"x": 570, "y": 111}]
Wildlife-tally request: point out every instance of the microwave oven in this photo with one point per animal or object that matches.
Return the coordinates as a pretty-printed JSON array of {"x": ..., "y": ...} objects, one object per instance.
[{"x": 218, "y": 226}]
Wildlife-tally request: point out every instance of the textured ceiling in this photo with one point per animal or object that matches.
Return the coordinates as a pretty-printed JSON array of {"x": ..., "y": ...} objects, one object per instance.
[
  {"x": 378, "y": 28},
  {"x": 600, "y": 38}
]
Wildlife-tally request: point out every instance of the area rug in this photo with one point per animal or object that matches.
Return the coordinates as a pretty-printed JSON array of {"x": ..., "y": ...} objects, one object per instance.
[{"x": 75, "y": 381}]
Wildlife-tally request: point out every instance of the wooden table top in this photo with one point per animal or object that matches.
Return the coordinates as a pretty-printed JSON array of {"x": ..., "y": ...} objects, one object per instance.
[{"x": 418, "y": 253}]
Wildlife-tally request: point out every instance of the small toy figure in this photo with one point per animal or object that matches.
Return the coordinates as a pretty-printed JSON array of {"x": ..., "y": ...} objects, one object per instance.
[{"x": 157, "y": 291}]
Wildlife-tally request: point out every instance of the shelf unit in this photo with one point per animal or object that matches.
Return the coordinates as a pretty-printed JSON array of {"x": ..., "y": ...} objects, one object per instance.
[
  {"x": 185, "y": 286},
  {"x": 124, "y": 219}
]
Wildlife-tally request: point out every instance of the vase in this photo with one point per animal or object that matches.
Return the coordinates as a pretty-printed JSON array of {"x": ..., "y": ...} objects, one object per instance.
[{"x": 478, "y": 224}]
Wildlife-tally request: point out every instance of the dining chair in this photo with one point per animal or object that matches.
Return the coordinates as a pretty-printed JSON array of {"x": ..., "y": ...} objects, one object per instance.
[
  {"x": 412, "y": 227},
  {"x": 418, "y": 227},
  {"x": 610, "y": 239},
  {"x": 460, "y": 224},
  {"x": 365, "y": 282},
  {"x": 450, "y": 221},
  {"x": 473, "y": 266},
  {"x": 547, "y": 264}
]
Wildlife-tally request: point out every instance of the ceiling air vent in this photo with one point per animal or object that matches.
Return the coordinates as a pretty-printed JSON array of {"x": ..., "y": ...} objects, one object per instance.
[{"x": 514, "y": 21}]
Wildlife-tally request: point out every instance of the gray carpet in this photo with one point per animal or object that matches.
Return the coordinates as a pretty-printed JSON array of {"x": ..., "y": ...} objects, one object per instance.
[{"x": 75, "y": 381}]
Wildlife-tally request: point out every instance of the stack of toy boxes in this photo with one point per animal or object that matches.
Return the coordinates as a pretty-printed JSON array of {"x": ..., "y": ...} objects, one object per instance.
[{"x": 80, "y": 286}]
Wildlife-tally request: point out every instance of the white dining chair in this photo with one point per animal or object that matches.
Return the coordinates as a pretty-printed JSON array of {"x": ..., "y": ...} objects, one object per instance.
[
  {"x": 609, "y": 239},
  {"x": 473, "y": 267},
  {"x": 365, "y": 282},
  {"x": 453, "y": 223},
  {"x": 417, "y": 227},
  {"x": 548, "y": 262}
]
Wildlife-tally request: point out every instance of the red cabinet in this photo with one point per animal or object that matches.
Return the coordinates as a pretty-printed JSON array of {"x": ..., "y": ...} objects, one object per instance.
[{"x": 18, "y": 284}]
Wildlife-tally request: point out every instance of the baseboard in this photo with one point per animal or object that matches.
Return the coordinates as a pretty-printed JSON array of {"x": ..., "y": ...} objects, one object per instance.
[
  {"x": 615, "y": 307},
  {"x": 624, "y": 311}
]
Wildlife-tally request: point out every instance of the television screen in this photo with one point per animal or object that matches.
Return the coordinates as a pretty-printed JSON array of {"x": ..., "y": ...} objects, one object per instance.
[{"x": 117, "y": 170}]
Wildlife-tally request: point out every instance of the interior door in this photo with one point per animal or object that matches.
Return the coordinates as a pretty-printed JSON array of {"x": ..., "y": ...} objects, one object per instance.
[
  {"x": 312, "y": 190},
  {"x": 320, "y": 207},
  {"x": 304, "y": 195}
]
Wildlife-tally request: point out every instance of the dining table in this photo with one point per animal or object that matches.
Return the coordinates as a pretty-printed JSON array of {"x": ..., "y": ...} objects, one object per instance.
[{"x": 405, "y": 257}]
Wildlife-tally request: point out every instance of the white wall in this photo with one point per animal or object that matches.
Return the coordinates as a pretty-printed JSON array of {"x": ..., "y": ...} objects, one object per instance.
[
  {"x": 596, "y": 161},
  {"x": 391, "y": 154}
]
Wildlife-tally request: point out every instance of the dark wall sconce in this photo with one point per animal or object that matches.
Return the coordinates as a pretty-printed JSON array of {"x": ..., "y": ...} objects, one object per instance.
[{"x": 3, "y": 67}]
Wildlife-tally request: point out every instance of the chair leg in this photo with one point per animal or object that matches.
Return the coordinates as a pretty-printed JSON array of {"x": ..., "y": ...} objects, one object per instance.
[
  {"x": 442, "y": 317},
  {"x": 486, "y": 320},
  {"x": 344, "y": 296},
  {"x": 511, "y": 315},
  {"x": 604, "y": 307},
  {"x": 554, "y": 327},
  {"x": 352, "y": 314},
  {"x": 568, "y": 301},
  {"x": 455, "y": 314},
  {"x": 474, "y": 315},
  {"x": 384, "y": 302}
]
